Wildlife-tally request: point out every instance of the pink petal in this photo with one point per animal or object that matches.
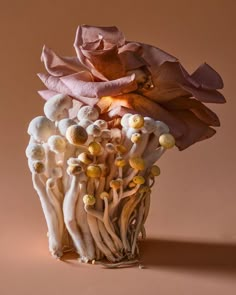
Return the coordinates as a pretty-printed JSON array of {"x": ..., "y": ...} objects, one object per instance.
[
  {"x": 207, "y": 77},
  {"x": 47, "y": 94},
  {"x": 60, "y": 66},
  {"x": 132, "y": 60},
  {"x": 86, "y": 34},
  {"x": 56, "y": 84},
  {"x": 98, "y": 89}
]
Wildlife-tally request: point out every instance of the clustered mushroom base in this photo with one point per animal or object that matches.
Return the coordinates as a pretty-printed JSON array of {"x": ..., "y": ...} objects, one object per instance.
[{"x": 94, "y": 182}]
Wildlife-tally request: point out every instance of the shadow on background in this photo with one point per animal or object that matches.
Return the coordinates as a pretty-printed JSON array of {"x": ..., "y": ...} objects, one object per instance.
[{"x": 202, "y": 256}]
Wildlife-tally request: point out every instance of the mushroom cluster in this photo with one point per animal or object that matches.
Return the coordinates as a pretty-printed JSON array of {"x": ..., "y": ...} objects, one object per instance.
[{"x": 93, "y": 180}]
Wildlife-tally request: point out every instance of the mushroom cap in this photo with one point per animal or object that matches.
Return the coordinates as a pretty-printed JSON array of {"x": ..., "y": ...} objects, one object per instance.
[
  {"x": 106, "y": 134},
  {"x": 136, "y": 121},
  {"x": 64, "y": 124},
  {"x": 155, "y": 170},
  {"x": 94, "y": 171},
  {"x": 85, "y": 123},
  {"x": 41, "y": 128},
  {"x": 136, "y": 137},
  {"x": 161, "y": 128},
  {"x": 116, "y": 135},
  {"x": 35, "y": 151},
  {"x": 73, "y": 162},
  {"x": 131, "y": 184},
  {"x": 94, "y": 148},
  {"x": 88, "y": 112},
  {"x": 57, "y": 107},
  {"x": 149, "y": 125},
  {"x": 137, "y": 163},
  {"x": 120, "y": 162},
  {"x": 116, "y": 183},
  {"x": 110, "y": 148},
  {"x": 89, "y": 200},
  {"x": 57, "y": 143},
  {"x": 138, "y": 179},
  {"x": 94, "y": 130},
  {"x": 125, "y": 120},
  {"x": 37, "y": 167},
  {"x": 76, "y": 135},
  {"x": 167, "y": 140},
  {"x": 121, "y": 149},
  {"x": 104, "y": 195},
  {"x": 102, "y": 124},
  {"x": 85, "y": 158},
  {"x": 74, "y": 169}
]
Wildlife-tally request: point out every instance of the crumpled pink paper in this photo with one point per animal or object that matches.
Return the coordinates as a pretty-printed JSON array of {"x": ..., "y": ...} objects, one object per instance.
[{"x": 104, "y": 73}]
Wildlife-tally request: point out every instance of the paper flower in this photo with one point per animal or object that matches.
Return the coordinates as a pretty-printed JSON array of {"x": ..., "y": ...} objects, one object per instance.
[{"x": 120, "y": 76}]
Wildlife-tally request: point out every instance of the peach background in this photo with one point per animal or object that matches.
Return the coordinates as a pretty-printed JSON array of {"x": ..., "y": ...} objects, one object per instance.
[{"x": 192, "y": 223}]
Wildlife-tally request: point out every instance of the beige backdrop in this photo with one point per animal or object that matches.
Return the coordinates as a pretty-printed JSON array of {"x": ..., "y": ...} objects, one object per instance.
[{"x": 192, "y": 223}]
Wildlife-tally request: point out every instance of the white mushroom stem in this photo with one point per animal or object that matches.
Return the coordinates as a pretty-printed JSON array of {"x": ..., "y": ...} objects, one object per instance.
[
  {"x": 113, "y": 171},
  {"x": 138, "y": 226},
  {"x": 152, "y": 145},
  {"x": 55, "y": 246},
  {"x": 50, "y": 160},
  {"x": 69, "y": 152},
  {"x": 50, "y": 184},
  {"x": 93, "y": 225},
  {"x": 81, "y": 218},
  {"x": 131, "y": 192},
  {"x": 69, "y": 205},
  {"x": 154, "y": 156},
  {"x": 139, "y": 147},
  {"x": 129, "y": 177}
]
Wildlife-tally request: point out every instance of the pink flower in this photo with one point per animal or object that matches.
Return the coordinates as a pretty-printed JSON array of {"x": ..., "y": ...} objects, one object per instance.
[{"x": 120, "y": 76}]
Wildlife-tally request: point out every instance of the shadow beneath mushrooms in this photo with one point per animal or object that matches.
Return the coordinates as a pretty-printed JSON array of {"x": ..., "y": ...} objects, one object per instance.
[{"x": 188, "y": 255}]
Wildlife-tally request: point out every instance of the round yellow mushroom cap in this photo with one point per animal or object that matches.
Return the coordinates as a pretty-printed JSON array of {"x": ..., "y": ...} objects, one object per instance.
[
  {"x": 137, "y": 163},
  {"x": 121, "y": 149},
  {"x": 76, "y": 135},
  {"x": 37, "y": 167},
  {"x": 94, "y": 171},
  {"x": 89, "y": 200},
  {"x": 115, "y": 183},
  {"x": 94, "y": 148},
  {"x": 167, "y": 140},
  {"x": 136, "y": 121},
  {"x": 138, "y": 179},
  {"x": 155, "y": 170},
  {"x": 136, "y": 137},
  {"x": 120, "y": 162},
  {"x": 104, "y": 195},
  {"x": 85, "y": 158}
]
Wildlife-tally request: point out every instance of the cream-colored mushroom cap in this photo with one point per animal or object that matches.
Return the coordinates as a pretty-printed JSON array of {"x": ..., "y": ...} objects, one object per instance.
[
  {"x": 167, "y": 140},
  {"x": 57, "y": 143},
  {"x": 85, "y": 123},
  {"x": 138, "y": 179},
  {"x": 136, "y": 137},
  {"x": 120, "y": 162},
  {"x": 102, "y": 124},
  {"x": 93, "y": 171},
  {"x": 76, "y": 135},
  {"x": 35, "y": 151},
  {"x": 94, "y": 148},
  {"x": 149, "y": 125},
  {"x": 155, "y": 170},
  {"x": 125, "y": 120},
  {"x": 74, "y": 169},
  {"x": 106, "y": 134},
  {"x": 137, "y": 163},
  {"x": 136, "y": 121},
  {"x": 85, "y": 158},
  {"x": 41, "y": 128},
  {"x": 37, "y": 167},
  {"x": 104, "y": 195},
  {"x": 88, "y": 112},
  {"x": 94, "y": 130},
  {"x": 57, "y": 107},
  {"x": 89, "y": 200},
  {"x": 64, "y": 124},
  {"x": 161, "y": 128}
]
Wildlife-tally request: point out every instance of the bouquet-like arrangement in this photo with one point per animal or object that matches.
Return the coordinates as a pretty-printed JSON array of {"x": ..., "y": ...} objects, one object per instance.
[{"x": 110, "y": 114}]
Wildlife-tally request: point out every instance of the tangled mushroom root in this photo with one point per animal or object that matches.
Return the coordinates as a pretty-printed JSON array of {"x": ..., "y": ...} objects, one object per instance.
[{"x": 94, "y": 182}]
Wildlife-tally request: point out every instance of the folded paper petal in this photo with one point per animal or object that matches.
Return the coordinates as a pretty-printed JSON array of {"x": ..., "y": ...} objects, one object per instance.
[
  {"x": 60, "y": 66},
  {"x": 132, "y": 60},
  {"x": 47, "y": 94},
  {"x": 207, "y": 77},
  {"x": 98, "y": 89}
]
